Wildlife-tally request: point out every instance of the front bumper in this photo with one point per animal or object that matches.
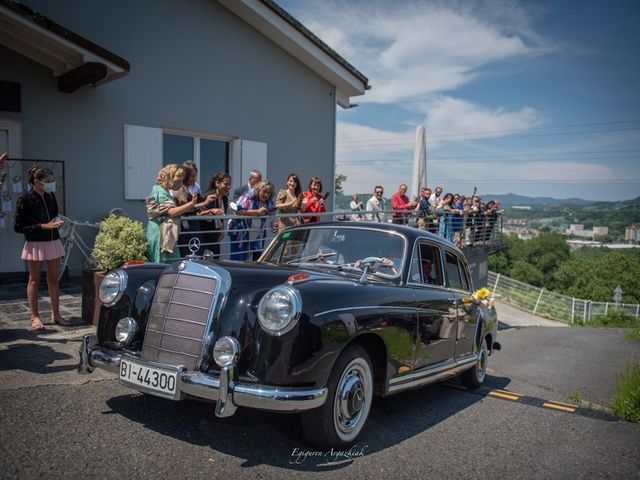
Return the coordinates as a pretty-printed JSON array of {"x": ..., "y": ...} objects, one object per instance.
[{"x": 225, "y": 390}]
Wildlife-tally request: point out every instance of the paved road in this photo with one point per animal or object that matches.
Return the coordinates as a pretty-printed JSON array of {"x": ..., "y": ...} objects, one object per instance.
[{"x": 57, "y": 424}]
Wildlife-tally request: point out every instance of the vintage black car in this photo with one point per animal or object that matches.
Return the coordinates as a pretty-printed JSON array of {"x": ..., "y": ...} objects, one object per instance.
[{"x": 331, "y": 315}]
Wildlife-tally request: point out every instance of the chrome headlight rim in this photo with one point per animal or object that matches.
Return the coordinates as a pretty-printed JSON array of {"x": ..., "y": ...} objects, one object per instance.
[
  {"x": 296, "y": 310},
  {"x": 111, "y": 300},
  {"x": 131, "y": 329},
  {"x": 232, "y": 344}
]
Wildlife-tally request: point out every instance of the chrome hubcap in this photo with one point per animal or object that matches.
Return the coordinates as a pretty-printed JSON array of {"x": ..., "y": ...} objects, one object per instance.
[
  {"x": 350, "y": 399},
  {"x": 482, "y": 364}
]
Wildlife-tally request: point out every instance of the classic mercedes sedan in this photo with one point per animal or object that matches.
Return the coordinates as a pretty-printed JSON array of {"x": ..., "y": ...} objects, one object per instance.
[{"x": 331, "y": 315}]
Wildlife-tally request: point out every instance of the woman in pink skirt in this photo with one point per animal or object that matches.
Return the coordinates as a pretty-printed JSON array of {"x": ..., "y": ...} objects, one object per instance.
[{"x": 37, "y": 218}]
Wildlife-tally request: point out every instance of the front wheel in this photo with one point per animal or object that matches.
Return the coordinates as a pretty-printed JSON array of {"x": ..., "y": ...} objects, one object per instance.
[
  {"x": 341, "y": 419},
  {"x": 474, "y": 377}
]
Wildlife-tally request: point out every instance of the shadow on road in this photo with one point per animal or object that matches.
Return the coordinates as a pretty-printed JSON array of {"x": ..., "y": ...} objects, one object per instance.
[
  {"x": 33, "y": 357},
  {"x": 279, "y": 438}
]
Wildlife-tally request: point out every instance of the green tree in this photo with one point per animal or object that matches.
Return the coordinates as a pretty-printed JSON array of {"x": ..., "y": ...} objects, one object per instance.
[
  {"x": 503, "y": 262},
  {"x": 546, "y": 252},
  {"x": 595, "y": 275},
  {"x": 525, "y": 272},
  {"x": 340, "y": 178}
]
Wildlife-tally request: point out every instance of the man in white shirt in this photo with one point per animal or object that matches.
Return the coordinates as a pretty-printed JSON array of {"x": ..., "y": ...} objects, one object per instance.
[
  {"x": 376, "y": 204},
  {"x": 435, "y": 197}
]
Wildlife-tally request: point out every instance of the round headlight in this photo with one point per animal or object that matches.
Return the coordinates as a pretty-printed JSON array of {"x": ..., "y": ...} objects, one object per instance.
[
  {"x": 112, "y": 287},
  {"x": 226, "y": 351},
  {"x": 279, "y": 309},
  {"x": 126, "y": 329}
]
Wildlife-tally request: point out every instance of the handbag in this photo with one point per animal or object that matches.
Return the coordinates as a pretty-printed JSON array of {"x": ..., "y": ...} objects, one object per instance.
[{"x": 169, "y": 228}]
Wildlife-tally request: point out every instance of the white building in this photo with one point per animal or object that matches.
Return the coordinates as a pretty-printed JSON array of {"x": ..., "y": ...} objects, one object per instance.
[{"x": 117, "y": 89}]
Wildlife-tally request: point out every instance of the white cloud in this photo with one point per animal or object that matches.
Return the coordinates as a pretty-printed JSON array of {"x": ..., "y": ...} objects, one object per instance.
[
  {"x": 457, "y": 119},
  {"x": 415, "y": 48}
]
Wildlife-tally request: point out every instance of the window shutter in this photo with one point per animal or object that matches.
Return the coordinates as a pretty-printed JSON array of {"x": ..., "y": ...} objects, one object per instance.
[
  {"x": 142, "y": 160},
  {"x": 254, "y": 156}
]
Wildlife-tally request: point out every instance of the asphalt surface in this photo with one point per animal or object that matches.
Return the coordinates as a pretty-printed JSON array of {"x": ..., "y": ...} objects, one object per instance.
[
  {"x": 55, "y": 423},
  {"x": 586, "y": 361}
]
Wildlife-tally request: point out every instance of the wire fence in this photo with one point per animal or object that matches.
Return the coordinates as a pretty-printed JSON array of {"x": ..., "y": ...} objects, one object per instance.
[
  {"x": 242, "y": 237},
  {"x": 554, "y": 306}
]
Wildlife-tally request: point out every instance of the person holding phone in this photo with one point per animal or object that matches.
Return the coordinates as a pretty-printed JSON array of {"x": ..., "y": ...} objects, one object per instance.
[
  {"x": 220, "y": 185},
  {"x": 313, "y": 201},
  {"x": 37, "y": 219}
]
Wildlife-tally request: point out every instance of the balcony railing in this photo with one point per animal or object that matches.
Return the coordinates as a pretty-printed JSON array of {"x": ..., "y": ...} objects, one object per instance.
[{"x": 230, "y": 238}]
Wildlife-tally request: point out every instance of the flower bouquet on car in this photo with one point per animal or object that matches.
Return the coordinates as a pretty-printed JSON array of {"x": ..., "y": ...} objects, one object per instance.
[{"x": 483, "y": 297}]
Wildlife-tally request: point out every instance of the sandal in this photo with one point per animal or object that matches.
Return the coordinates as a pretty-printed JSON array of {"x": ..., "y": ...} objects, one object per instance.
[
  {"x": 63, "y": 322},
  {"x": 36, "y": 324}
]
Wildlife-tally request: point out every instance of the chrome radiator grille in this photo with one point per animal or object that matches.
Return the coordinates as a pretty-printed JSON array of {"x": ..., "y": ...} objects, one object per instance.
[{"x": 178, "y": 319}]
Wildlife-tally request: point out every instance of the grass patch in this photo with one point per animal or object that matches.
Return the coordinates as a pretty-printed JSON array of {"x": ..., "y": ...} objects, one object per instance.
[
  {"x": 575, "y": 397},
  {"x": 633, "y": 335},
  {"x": 615, "y": 318},
  {"x": 626, "y": 401}
]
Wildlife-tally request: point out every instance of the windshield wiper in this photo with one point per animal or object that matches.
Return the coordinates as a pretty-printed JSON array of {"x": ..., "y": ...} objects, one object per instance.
[{"x": 311, "y": 258}]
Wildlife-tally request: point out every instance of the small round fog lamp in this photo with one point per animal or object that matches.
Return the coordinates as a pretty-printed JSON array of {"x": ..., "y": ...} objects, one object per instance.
[
  {"x": 126, "y": 330},
  {"x": 226, "y": 351}
]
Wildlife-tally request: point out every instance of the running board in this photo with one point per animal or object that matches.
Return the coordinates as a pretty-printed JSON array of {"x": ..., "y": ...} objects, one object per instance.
[{"x": 431, "y": 374}]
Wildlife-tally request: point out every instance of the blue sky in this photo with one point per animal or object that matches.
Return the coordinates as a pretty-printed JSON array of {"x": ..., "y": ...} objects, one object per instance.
[{"x": 534, "y": 98}]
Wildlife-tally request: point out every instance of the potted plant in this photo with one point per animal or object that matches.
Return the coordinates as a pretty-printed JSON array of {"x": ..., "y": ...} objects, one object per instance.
[{"x": 120, "y": 240}]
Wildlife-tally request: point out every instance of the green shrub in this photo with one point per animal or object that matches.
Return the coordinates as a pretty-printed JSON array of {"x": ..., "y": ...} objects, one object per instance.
[
  {"x": 615, "y": 317},
  {"x": 120, "y": 240},
  {"x": 626, "y": 401},
  {"x": 633, "y": 335}
]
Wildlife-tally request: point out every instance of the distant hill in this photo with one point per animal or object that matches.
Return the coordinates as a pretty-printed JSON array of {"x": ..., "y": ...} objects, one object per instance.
[{"x": 512, "y": 199}]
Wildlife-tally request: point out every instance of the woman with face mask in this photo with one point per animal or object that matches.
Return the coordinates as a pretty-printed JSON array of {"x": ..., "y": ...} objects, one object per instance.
[
  {"x": 37, "y": 219},
  {"x": 163, "y": 212}
]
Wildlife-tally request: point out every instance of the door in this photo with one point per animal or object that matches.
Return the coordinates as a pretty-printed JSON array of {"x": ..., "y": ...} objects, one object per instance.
[
  {"x": 12, "y": 187},
  {"x": 459, "y": 287},
  {"x": 437, "y": 314}
]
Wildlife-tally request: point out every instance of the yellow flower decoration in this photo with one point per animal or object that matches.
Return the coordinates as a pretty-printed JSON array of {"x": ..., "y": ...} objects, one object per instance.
[{"x": 482, "y": 293}]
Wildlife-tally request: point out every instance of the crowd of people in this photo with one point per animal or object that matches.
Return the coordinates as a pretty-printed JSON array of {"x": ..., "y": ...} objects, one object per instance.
[
  {"x": 177, "y": 195},
  {"x": 457, "y": 218}
]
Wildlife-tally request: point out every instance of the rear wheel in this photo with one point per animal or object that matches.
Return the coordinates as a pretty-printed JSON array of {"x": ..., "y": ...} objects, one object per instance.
[
  {"x": 474, "y": 377},
  {"x": 341, "y": 419}
]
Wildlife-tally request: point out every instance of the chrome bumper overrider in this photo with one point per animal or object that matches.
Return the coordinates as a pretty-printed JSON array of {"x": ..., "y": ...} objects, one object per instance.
[{"x": 224, "y": 390}]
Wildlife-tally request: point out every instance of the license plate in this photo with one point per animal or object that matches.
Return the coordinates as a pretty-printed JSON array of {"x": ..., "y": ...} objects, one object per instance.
[{"x": 150, "y": 379}]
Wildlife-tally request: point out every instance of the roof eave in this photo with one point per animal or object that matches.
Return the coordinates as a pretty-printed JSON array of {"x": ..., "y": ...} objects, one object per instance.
[{"x": 50, "y": 44}]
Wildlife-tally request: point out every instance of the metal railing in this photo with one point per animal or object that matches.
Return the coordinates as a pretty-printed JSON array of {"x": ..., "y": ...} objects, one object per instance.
[
  {"x": 230, "y": 238},
  {"x": 554, "y": 306}
]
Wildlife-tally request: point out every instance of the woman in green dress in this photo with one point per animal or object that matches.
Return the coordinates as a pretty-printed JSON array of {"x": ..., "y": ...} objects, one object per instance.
[{"x": 162, "y": 207}]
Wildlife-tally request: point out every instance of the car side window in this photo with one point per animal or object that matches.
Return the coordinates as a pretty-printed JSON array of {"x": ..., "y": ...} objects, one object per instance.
[
  {"x": 466, "y": 281},
  {"x": 455, "y": 277},
  {"x": 426, "y": 266}
]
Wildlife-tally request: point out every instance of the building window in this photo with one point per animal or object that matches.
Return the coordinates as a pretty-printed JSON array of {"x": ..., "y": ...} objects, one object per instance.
[
  {"x": 211, "y": 156},
  {"x": 214, "y": 158},
  {"x": 176, "y": 149}
]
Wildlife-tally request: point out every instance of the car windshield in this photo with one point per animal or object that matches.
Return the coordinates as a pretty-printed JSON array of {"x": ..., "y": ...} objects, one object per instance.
[{"x": 341, "y": 248}]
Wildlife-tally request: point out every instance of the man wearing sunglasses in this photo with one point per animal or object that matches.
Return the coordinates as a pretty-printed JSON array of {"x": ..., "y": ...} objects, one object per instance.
[{"x": 376, "y": 205}]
